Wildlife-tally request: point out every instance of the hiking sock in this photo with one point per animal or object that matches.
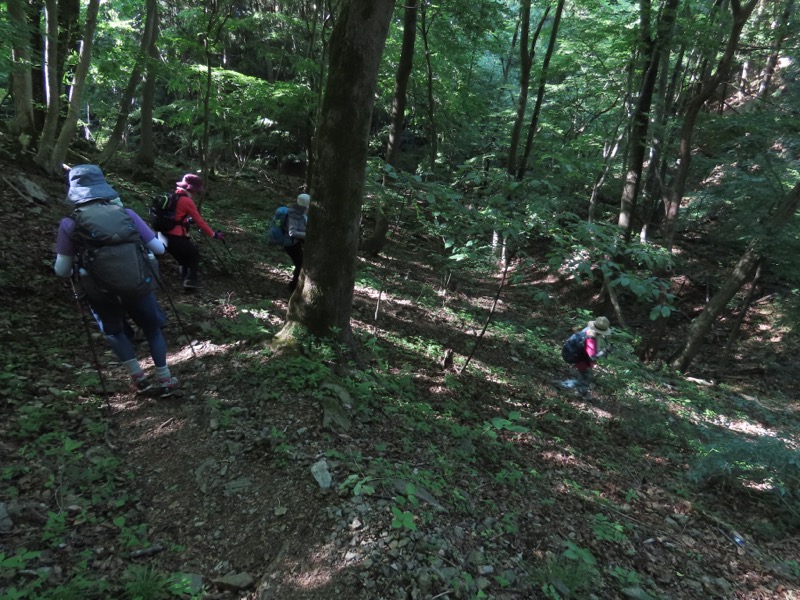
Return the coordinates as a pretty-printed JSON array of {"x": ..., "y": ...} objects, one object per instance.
[
  {"x": 138, "y": 376},
  {"x": 134, "y": 368},
  {"x": 166, "y": 383}
]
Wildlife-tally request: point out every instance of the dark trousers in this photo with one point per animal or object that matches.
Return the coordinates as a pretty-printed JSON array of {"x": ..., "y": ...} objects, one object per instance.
[
  {"x": 295, "y": 252},
  {"x": 186, "y": 252}
]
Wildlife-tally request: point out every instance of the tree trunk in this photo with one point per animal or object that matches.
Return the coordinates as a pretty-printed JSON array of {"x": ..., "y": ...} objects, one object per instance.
[
  {"x": 610, "y": 149},
  {"x": 52, "y": 88},
  {"x": 781, "y": 34},
  {"x": 375, "y": 243},
  {"x": 126, "y": 102},
  {"x": 540, "y": 95},
  {"x": 21, "y": 80},
  {"x": 69, "y": 34},
  {"x": 432, "y": 133},
  {"x": 36, "y": 25},
  {"x": 323, "y": 301},
  {"x": 733, "y": 335},
  {"x": 404, "y": 69},
  {"x": 67, "y": 134},
  {"x": 674, "y": 196},
  {"x": 206, "y": 110},
  {"x": 702, "y": 324},
  {"x": 146, "y": 157},
  {"x": 527, "y": 51},
  {"x": 652, "y": 50}
]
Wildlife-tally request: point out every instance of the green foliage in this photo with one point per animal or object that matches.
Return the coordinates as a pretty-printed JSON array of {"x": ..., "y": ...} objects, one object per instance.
[
  {"x": 16, "y": 561},
  {"x": 291, "y": 373},
  {"x": 582, "y": 249},
  {"x": 361, "y": 485},
  {"x": 571, "y": 574},
  {"x": 403, "y": 519},
  {"x": 607, "y": 530},
  {"x": 242, "y": 324},
  {"x": 497, "y": 424},
  {"x": 146, "y": 583},
  {"x": 764, "y": 462},
  {"x": 625, "y": 577}
]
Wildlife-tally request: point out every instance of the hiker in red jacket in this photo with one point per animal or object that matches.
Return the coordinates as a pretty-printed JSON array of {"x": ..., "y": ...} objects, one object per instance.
[{"x": 179, "y": 244}]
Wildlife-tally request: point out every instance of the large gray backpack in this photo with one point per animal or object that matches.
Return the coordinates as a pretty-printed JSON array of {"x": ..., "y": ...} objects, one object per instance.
[{"x": 113, "y": 260}]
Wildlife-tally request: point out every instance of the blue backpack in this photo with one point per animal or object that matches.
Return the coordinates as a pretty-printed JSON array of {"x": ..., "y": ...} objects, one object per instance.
[
  {"x": 277, "y": 233},
  {"x": 574, "y": 348}
]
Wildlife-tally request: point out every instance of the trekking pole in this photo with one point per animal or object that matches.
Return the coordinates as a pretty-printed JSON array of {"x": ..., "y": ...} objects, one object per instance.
[
  {"x": 92, "y": 349},
  {"x": 217, "y": 256},
  {"x": 172, "y": 304},
  {"x": 239, "y": 268}
]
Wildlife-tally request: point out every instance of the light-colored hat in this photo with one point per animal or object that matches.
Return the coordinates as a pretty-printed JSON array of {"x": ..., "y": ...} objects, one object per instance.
[
  {"x": 600, "y": 326},
  {"x": 192, "y": 183},
  {"x": 304, "y": 200},
  {"x": 87, "y": 182}
]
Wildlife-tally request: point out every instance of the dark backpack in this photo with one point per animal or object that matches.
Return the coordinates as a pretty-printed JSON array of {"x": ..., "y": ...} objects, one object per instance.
[
  {"x": 277, "y": 233},
  {"x": 162, "y": 212},
  {"x": 111, "y": 252},
  {"x": 574, "y": 348}
]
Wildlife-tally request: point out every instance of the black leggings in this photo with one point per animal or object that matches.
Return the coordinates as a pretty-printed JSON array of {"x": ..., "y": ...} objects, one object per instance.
[
  {"x": 186, "y": 253},
  {"x": 295, "y": 252}
]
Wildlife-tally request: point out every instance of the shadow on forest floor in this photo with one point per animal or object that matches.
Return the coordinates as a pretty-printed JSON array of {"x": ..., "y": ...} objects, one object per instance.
[{"x": 275, "y": 477}]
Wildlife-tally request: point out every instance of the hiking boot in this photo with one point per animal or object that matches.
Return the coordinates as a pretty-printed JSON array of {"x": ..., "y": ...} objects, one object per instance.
[
  {"x": 189, "y": 285},
  {"x": 167, "y": 385},
  {"x": 141, "y": 383}
]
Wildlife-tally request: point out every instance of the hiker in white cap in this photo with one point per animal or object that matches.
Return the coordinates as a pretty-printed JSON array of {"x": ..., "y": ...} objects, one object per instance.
[{"x": 296, "y": 228}]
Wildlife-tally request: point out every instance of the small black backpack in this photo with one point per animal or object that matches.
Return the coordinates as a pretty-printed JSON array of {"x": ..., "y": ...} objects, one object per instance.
[
  {"x": 162, "y": 212},
  {"x": 111, "y": 254},
  {"x": 574, "y": 348}
]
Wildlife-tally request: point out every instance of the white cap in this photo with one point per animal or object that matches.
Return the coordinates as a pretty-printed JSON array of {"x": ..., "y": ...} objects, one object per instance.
[{"x": 304, "y": 200}]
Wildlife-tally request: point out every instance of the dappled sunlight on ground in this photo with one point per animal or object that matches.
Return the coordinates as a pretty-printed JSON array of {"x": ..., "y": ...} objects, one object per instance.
[{"x": 314, "y": 571}]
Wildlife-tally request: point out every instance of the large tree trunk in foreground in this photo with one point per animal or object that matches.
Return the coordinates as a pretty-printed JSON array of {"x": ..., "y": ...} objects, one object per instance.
[
  {"x": 323, "y": 301},
  {"x": 702, "y": 324}
]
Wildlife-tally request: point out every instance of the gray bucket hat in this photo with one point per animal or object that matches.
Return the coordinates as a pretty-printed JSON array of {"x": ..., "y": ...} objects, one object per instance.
[
  {"x": 600, "y": 326},
  {"x": 87, "y": 182}
]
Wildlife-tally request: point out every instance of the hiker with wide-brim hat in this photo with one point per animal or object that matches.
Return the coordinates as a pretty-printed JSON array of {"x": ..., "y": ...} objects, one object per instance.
[
  {"x": 99, "y": 221},
  {"x": 582, "y": 348}
]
